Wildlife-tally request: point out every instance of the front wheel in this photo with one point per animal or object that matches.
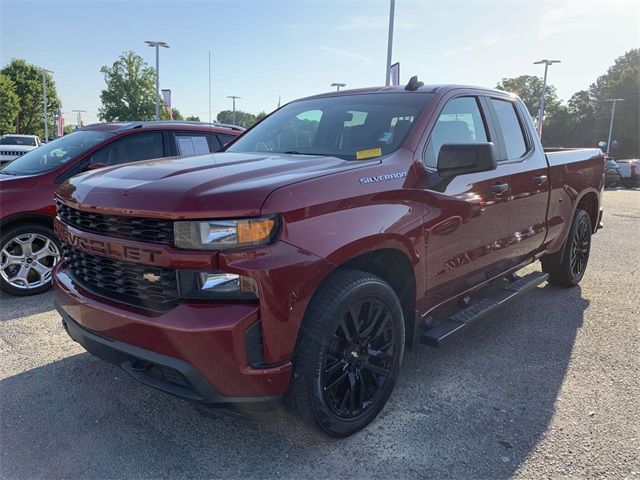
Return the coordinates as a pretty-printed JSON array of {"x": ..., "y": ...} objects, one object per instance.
[
  {"x": 569, "y": 270},
  {"x": 348, "y": 355},
  {"x": 28, "y": 254}
]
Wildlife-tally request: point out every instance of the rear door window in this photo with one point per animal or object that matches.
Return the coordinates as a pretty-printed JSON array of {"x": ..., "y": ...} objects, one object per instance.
[
  {"x": 459, "y": 122},
  {"x": 225, "y": 138},
  {"x": 192, "y": 144},
  {"x": 514, "y": 140}
]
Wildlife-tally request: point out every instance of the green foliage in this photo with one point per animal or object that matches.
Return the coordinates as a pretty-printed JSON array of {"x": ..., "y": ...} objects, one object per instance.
[
  {"x": 27, "y": 85},
  {"x": 584, "y": 121},
  {"x": 165, "y": 116},
  {"x": 260, "y": 116},
  {"x": 193, "y": 118},
  {"x": 130, "y": 93},
  {"x": 243, "y": 119},
  {"x": 529, "y": 89},
  {"x": 10, "y": 105}
]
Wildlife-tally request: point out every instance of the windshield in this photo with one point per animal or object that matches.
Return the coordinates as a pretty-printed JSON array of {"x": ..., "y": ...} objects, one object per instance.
[
  {"x": 347, "y": 126},
  {"x": 54, "y": 154},
  {"x": 15, "y": 140}
]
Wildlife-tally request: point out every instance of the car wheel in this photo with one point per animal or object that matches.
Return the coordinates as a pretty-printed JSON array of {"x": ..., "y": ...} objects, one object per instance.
[
  {"x": 348, "y": 355},
  {"x": 568, "y": 271},
  {"x": 28, "y": 254}
]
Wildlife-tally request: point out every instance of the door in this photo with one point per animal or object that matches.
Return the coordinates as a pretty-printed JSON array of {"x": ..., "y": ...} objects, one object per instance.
[
  {"x": 467, "y": 216},
  {"x": 529, "y": 180}
]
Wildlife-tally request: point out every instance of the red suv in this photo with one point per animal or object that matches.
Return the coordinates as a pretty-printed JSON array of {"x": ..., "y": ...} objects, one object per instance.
[{"x": 28, "y": 247}]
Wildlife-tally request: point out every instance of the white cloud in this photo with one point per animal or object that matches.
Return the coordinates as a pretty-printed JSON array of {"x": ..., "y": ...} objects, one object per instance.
[{"x": 353, "y": 56}]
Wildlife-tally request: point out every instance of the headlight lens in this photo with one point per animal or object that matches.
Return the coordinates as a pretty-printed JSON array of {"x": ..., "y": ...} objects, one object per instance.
[
  {"x": 225, "y": 234},
  {"x": 216, "y": 286}
]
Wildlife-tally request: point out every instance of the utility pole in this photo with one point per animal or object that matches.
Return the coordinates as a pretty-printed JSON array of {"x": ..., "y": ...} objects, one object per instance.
[
  {"x": 613, "y": 114},
  {"x": 44, "y": 99},
  {"x": 233, "y": 97},
  {"x": 209, "y": 86},
  {"x": 338, "y": 86},
  {"x": 157, "y": 46},
  {"x": 79, "y": 112},
  {"x": 392, "y": 8},
  {"x": 544, "y": 90}
]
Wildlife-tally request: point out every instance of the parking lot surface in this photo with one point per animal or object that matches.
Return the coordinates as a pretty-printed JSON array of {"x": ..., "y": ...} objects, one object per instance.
[{"x": 547, "y": 387}]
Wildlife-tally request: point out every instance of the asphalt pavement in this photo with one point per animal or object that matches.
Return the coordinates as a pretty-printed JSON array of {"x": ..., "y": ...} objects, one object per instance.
[{"x": 546, "y": 388}]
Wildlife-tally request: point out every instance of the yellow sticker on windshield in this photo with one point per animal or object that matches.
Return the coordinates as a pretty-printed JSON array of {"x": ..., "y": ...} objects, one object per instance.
[{"x": 372, "y": 152}]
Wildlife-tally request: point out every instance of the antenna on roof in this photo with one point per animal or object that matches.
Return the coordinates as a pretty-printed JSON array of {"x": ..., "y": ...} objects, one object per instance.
[{"x": 413, "y": 84}]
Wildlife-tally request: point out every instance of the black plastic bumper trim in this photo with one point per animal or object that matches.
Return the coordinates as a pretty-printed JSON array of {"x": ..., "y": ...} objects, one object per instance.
[{"x": 129, "y": 358}]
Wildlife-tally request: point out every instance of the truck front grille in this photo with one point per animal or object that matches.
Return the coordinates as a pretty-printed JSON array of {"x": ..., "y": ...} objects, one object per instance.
[
  {"x": 143, "y": 286},
  {"x": 144, "y": 229}
]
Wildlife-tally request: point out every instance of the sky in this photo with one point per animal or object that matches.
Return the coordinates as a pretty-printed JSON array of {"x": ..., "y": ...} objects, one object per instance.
[{"x": 261, "y": 50}]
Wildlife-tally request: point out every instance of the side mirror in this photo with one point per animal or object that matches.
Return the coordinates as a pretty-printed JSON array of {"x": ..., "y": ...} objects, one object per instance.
[
  {"x": 93, "y": 166},
  {"x": 461, "y": 158}
]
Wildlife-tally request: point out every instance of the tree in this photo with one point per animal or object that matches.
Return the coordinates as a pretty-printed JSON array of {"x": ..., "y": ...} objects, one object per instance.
[
  {"x": 164, "y": 115},
  {"x": 529, "y": 89},
  {"x": 260, "y": 116},
  {"x": 243, "y": 119},
  {"x": 27, "y": 81},
  {"x": 130, "y": 92},
  {"x": 192, "y": 118},
  {"x": 10, "y": 105}
]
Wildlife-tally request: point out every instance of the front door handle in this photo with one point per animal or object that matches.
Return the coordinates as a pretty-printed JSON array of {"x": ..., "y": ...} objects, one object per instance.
[
  {"x": 540, "y": 179},
  {"x": 499, "y": 188}
]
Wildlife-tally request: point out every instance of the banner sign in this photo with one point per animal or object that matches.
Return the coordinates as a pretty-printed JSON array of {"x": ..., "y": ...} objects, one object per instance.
[{"x": 395, "y": 74}]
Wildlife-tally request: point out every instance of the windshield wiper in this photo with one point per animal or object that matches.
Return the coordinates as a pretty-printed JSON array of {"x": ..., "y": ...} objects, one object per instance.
[{"x": 295, "y": 152}]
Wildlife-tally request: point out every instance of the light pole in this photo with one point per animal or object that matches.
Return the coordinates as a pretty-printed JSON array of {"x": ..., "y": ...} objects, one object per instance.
[
  {"x": 233, "y": 97},
  {"x": 338, "y": 86},
  {"x": 157, "y": 46},
  {"x": 613, "y": 114},
  {"x": 44, "y": 72},
  {"x": 544, "y": 89},
  {"x": 79, "y": 112},
  {"x": 392, "y": 8}
]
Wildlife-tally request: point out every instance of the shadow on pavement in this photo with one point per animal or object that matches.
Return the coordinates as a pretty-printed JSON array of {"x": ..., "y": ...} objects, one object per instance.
[
  {"x": 474, "y": 409},
  {"x": 13, "y": 307}
]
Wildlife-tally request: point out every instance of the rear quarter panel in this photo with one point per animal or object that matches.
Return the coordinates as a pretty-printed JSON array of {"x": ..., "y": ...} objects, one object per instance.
[{"x": 573, "y": 174}]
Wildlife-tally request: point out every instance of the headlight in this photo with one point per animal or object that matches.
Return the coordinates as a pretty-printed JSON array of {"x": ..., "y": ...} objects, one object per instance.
[
  {"x": 225, "y": 234},
  {"x": 216, "y": 286}
]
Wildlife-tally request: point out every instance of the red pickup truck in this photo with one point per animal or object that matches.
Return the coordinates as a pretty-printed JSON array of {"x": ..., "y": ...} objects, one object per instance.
[{"x": 299, "y": 263}]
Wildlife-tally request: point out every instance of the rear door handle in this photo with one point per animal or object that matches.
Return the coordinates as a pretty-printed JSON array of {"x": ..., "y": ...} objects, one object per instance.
[
  {"x": 540, "y": 179},
  {"x": 498, "y": 188}
]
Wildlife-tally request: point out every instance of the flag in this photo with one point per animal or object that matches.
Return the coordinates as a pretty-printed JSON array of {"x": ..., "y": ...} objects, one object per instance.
[
  {"x": 60, "y": 124},
  {"x": 166, "y": 96},
  {"x": 395, "y": 74}
]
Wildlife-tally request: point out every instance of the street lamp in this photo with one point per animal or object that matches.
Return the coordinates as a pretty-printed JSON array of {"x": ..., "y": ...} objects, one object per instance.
[
  {"x": 544, "y": 89},
  {"x": 613, "y": 113},
  {"x": 157, "y": 46},
  {"x": 233, "y": 97},
  {"x": 44, "y": 72},
  {"x": 338, "y": 85},
  {"x": 392, "y": 7}
]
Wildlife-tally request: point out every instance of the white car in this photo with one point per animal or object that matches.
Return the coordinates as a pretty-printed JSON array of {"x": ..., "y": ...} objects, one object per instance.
[
  {"x": 14, "y": 145},
  {"x": 629, "y": 172}
]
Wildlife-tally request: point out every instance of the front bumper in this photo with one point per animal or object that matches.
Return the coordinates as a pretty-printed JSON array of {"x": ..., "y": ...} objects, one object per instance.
[{"x": 195, "y": 351}]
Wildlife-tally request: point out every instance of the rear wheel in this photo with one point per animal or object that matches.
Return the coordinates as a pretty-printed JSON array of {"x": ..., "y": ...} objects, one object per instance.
[
  {"x": 568, "y": 271},
  {"x": 28, "y": 254},
  {"x": 348, "y": 355}
]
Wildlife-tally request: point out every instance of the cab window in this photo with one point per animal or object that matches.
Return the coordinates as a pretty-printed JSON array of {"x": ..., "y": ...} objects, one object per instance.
[
  {"x": 459, "y": 122},
  {"x": 143, "y": 146},
  {"x": 511, "y": 128}
]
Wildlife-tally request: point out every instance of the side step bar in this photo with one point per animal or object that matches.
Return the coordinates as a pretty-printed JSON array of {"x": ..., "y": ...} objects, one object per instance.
[{"x": 439, "y": 333}]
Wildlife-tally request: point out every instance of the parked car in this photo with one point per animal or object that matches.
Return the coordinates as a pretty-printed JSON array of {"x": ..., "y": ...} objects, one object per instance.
[
  {"x": 629, "y": 172},
  {"x": 14, "y": 145},
  {"x": 28, "y": 246},
  {"x": 306, "y": 257},
  {"x": 612, "y": 173}
]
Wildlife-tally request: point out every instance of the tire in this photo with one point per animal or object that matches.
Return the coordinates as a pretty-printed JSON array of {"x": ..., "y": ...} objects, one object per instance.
[
  {"x": 343, "y": 376},
  {"x": 28, "y": 254},
  {"x": 567, "y": 270}
]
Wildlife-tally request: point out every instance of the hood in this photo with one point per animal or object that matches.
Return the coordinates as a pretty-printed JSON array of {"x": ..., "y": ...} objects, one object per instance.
[{"x": 209, "y": 186}]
